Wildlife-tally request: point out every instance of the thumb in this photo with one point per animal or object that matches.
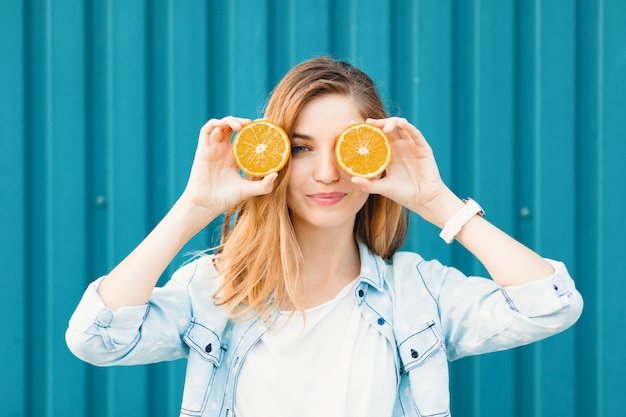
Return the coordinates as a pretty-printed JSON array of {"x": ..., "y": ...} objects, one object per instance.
[
  {"x": 364, "y": 184},
  {"x": 265, "y": 186},
  {"x": 373, "y": 186}
]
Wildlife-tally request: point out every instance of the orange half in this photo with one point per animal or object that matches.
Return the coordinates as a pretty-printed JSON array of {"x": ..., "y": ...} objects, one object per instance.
[
  {"x": 363, "y": 150},
  {"x": 260, "y": 148}
]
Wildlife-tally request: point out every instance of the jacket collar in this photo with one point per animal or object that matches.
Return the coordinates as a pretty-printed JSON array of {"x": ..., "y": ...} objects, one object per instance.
[{"x": 373, "y": 268}]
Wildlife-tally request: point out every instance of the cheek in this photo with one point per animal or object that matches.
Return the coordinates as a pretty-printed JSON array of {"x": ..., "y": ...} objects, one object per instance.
[
  {"x": 289, "y": 199},
  {"x": 297, "y": 176},
  {"x": 362, "y": 198},
  {"x": 292, "y": 186}
]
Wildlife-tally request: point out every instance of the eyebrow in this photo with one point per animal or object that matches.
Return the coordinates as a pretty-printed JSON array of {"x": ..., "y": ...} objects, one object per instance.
[{"x": 296, "y": 135}]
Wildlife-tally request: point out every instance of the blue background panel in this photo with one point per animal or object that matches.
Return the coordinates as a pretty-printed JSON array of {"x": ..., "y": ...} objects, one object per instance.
[{"x": 100, "y": 107}]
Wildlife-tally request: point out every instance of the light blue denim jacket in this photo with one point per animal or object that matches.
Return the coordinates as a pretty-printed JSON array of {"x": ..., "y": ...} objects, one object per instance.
[{"x": 432, "y": 313}]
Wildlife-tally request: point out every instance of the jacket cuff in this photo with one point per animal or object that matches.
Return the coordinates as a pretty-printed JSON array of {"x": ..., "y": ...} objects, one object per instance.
[
  {"x": 91, "y": 311},
  {"x": 542, "y": 297}
]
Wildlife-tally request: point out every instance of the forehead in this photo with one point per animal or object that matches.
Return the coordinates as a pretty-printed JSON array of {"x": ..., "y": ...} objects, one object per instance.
[{"x": 328, "y": 114}]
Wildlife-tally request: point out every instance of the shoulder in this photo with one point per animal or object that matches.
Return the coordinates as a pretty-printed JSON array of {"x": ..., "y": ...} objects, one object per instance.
[
  {"x": 192, "y": 288},
  {"x": 414, "y": 264},
  {"x": 412, "y": 270},
  {"x": 198, "y": 273},
  {"x": 405, "y": 258}
]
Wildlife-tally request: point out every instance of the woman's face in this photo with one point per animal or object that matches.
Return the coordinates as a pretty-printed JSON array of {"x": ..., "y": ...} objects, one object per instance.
[{"x": 319, "y": 193}]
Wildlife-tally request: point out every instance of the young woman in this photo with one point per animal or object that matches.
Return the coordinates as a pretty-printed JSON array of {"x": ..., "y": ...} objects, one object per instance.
[{"x": 307, "y": 308}]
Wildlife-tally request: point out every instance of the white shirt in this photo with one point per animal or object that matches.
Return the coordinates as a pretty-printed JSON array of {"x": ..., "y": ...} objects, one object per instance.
[{"x": 336, "y": 366}]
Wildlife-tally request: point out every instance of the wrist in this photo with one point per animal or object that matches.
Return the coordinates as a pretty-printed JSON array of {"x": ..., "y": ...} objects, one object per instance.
[
  {"x": 441, "y": 208},
  {"x": 457, "y": 222},
  {"x": 189, "y": 217}
]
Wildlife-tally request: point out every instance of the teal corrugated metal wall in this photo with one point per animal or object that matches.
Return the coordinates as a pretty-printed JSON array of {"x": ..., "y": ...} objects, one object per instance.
[{"x": 101, "y": 102}]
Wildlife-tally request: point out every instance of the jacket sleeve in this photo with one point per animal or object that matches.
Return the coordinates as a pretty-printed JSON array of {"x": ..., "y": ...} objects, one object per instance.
[
  {"x": 134, "y": 335},
  {"x": 479, "y": 316}
]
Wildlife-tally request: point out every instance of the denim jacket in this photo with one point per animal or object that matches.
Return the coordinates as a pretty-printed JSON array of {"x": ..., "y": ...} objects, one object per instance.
[{"x": 432, "y": 313}]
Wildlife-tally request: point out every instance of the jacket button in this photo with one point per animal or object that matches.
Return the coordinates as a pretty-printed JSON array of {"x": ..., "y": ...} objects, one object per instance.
[
  {"x": 381, "y": 321},
  {"x": 361, "y": 293},
  {"x": 414, "y": 354},
  {"x": 208, "y": 348}
]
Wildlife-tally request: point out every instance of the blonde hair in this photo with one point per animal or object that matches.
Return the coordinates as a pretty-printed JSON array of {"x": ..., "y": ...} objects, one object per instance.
[{"x": 259, "y": 260}]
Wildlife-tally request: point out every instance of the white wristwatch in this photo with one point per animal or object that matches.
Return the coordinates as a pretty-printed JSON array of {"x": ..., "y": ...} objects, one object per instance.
[{"x": 456, "y": 223}]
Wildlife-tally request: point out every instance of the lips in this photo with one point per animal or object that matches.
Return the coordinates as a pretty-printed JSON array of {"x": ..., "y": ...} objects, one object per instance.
[{"x": 327, "y": 199}]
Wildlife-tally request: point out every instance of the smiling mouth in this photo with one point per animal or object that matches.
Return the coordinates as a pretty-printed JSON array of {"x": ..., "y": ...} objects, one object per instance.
[{"x": 327, "y": 199}]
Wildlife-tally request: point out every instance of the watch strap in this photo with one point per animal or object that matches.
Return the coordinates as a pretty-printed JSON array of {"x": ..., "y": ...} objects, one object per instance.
[{"x": 456, "y": 223}]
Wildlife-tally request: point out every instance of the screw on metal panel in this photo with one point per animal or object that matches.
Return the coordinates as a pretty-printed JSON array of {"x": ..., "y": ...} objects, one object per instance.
[{"x": 524, "y": 213}]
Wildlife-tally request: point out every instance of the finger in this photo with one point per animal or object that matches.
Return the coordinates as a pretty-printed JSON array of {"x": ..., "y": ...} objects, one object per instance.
[
  {"x": 380, "y": 123},
  {"x": 219, "y": 129},
  {"x": 394, "y": 127},
  {"x": 210, "y": 132},
  {"x": 418, "y": 138},
  {"x": 236, "y": 123},
  {"x": 229, "y": 122},
  {"x": 403, "y": 129},
  {"x": 395, "y": 124}
]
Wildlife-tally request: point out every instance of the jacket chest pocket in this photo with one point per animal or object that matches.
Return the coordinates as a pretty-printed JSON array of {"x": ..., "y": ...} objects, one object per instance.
[
  {"x": 425, "y": 364},
  {"x": 205, "y": 355}
]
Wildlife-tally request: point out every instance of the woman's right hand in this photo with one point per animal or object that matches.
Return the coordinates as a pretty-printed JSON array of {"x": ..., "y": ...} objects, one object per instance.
[
  {"x": 215, "y": 183},
  {"x": 214, "y": 186}
]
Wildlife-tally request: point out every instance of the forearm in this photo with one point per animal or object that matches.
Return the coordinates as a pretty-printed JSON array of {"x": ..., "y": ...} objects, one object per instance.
[
  {"x": 413, "y": 180},
  {"x": 508, "y": 261},
  {"x": 131, "y": 282}
]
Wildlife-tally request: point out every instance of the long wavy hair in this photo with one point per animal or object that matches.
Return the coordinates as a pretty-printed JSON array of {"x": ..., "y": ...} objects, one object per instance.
[{"x": 259, "y": 260}]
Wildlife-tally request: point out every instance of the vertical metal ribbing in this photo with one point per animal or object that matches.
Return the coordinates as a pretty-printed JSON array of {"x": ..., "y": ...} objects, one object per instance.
[{"x": 102, "y": 102}]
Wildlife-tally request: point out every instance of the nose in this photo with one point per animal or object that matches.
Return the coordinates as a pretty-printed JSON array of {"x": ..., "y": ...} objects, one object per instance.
[{"x": 327, "y": 170}]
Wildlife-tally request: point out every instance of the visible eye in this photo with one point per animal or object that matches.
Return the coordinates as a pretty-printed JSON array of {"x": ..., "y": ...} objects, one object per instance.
[{"x": 298, "y": 149}]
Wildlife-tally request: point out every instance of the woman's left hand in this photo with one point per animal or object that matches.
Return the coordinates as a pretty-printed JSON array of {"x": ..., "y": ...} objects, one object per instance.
[{"x": 412, "y": 178}]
